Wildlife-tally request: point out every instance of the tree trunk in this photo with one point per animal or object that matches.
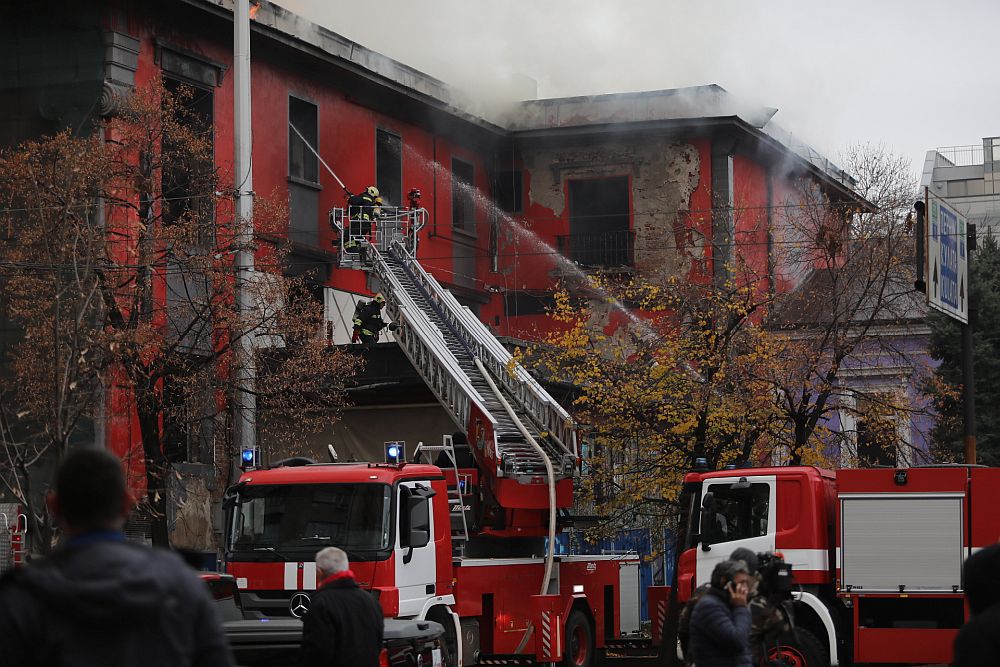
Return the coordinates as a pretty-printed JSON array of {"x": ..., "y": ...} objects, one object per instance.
[
  {"x": 157, "y": 468},
  {"x": 801, "y": 435}
]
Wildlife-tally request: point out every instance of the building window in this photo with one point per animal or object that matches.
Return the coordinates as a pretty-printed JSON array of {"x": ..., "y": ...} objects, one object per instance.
[
  {"x": 958, "y": 189},
  {"x": 389, "y": 167},
  {"x": 302, "y": 162},
  {"x": 599, "y": 230},
  {"x": 877, "y": 425},
  {"x": 184, "y": 180},
  {"x": 509, "y": 186},
  {"x": 188, "y": 422},
  {"x": 463, "y": 203}
]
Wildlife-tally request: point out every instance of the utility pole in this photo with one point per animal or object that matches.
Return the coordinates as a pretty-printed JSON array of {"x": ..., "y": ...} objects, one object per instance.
[
  {"x": 968, "y": 358},
  {"x": 245, "y": 398}
]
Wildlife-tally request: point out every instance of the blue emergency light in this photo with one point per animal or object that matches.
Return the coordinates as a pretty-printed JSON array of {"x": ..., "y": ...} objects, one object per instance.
[
  {"x": 395, "y": 452},
  {"x": 248, "y": 457}
]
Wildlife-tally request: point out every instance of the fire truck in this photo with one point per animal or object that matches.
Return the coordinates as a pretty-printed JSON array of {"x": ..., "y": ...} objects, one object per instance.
[
  {"x": 465, "y": 539},
  {"x": 878, "y": 552}
]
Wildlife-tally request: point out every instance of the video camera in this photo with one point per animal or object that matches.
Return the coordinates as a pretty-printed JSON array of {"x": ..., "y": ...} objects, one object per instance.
[{"x": 776, "y": 579}]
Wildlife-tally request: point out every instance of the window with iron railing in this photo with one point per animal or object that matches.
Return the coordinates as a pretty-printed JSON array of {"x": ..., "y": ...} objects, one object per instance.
[
  {"x": 600, "y": 234},
  {"x": 599, "y": 249}
]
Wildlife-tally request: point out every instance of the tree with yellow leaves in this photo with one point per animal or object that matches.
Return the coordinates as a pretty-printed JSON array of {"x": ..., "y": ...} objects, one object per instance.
[{"x": 661, "y": 390}]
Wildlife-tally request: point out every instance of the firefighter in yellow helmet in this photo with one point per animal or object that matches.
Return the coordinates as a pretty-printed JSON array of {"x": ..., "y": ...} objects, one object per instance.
[
  {"x": 362, "y": 209},
  {"x": 368, "y": 323}
]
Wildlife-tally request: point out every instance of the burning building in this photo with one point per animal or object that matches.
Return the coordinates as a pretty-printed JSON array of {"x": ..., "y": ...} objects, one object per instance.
[{"x": 668, "y": 182}]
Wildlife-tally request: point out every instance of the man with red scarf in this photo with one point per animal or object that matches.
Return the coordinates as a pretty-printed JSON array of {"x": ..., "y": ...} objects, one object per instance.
[{"x": 344, "y": 623}]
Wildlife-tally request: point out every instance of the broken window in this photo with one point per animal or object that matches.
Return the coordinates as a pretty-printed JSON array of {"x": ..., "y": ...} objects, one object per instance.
[
  {"x": 302, "y": 162},
  {"x": 508, "y": 189},
  {"x": 463, "y": 203},
  {"x": 599, "y": 229},
  {"x": 389, "y": 167}
]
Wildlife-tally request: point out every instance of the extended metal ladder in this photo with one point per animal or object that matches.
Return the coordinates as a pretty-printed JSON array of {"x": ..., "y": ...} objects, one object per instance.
[
  {"x": 456, "y": 494},
  {"x": 443, "y": 339}
]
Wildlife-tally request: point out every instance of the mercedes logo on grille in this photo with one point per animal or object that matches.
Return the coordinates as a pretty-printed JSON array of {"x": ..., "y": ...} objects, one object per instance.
[{"x": 299, "y": 605}]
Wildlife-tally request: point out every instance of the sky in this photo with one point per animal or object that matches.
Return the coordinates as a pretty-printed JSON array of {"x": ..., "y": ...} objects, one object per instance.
[{"x": 910, "y": 74}]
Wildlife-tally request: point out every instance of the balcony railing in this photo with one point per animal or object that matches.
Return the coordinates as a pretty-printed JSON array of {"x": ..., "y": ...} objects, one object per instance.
[
  {"x": 962, "y": 156},
  {"x": 604, "y": 250}
]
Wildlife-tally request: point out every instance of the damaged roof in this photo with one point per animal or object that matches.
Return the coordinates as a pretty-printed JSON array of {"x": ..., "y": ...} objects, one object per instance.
[{"x": 678, "y": 104}]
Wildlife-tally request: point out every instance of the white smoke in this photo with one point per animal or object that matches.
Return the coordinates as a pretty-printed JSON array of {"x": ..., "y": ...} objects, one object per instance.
[{"x": 840, "y": 72}]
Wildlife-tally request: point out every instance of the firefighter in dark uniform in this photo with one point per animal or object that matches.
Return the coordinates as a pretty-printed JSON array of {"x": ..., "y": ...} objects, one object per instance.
[
  {"x": 368, "y": 323},
  {"x": 362, "y": 209}
]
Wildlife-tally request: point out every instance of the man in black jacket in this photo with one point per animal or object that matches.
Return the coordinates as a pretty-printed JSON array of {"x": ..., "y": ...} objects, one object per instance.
[
  {"x": 98, "y": 600},
  {"x": 344, "y": 625},
  {"x": 978, "y": 642},
  {"x": 720, "y": 623}
]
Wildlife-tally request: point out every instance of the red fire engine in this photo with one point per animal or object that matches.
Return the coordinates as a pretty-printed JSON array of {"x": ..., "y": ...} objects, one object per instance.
[
  {"x": 462, "y": 542},
  {"x": 878, "y": 552}
]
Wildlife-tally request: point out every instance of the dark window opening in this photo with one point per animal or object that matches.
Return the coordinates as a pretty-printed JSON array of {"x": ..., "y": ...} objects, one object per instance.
[
  {"x": 877, "y": 432},
  {"x": 878, "y": 441},
  {"x": 525, "y": 303},
  {"x": 463, "y": 203},
  {"x": 599, "y": 230},
  {"x": 738, "y": 514},
  {"x": 187, "y": 177},
  {"x": 188, "y": 421},
  {"x": 389, "y": 167},
  {"x": 302, "y": 162},
  {"x": 509, "y": 187}
]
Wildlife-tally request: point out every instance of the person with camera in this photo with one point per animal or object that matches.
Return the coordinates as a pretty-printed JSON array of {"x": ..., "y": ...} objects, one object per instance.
[{"x": 720, "y": 622}]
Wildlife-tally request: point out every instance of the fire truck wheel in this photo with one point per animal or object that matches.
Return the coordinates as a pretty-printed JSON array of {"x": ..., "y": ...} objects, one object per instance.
[
  {"x": 579, "y": 650},
  {"x": 799, "y": 648},
  {"x": 449, "y": 643}
]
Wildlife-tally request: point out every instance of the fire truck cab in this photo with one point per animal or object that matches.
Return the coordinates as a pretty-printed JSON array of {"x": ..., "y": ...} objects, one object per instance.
[
  {"x": 395, "y": 523},
  {"x": 877, "y": 553},
  {"x": 786, "y": 509}
]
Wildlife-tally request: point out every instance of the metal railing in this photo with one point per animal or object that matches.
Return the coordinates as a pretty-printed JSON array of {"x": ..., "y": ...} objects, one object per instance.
[
  {"x": 394, "y": 234},
  {"x": 542, "y": 408},
  {"x": 424, "y": 346},
  {"x": 600, "y": 249},
  {"x": 383, "y": 226},
  {"x": 962, "y": 156}
]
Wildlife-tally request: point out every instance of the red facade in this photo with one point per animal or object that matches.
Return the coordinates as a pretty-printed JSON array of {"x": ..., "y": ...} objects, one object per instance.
[{"x": 635, "y": 182}]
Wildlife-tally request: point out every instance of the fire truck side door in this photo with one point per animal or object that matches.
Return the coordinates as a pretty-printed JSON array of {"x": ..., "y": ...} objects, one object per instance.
[
  {"x": 415, "y": 566},
  {"x": 743, "y": 514}
]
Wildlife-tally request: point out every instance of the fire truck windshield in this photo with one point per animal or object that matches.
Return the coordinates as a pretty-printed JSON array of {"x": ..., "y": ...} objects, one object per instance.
[{"x": 280, "y": 521}]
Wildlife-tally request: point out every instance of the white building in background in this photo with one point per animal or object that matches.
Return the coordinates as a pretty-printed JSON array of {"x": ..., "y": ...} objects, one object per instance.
[{"x": 969, "y": 177}]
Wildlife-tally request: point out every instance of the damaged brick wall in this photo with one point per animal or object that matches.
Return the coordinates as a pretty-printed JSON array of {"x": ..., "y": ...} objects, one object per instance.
[{"x": 664, "y": 174}]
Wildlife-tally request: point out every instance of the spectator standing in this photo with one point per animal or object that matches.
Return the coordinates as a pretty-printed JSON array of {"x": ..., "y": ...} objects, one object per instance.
[
  {"x": 978, "y": 642},
  {"x": 344, "y": 624},
  {"x": 99, "y": 600},
  {"x": 720, "y": 623},
  {"x": 684, "y": 620}
]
